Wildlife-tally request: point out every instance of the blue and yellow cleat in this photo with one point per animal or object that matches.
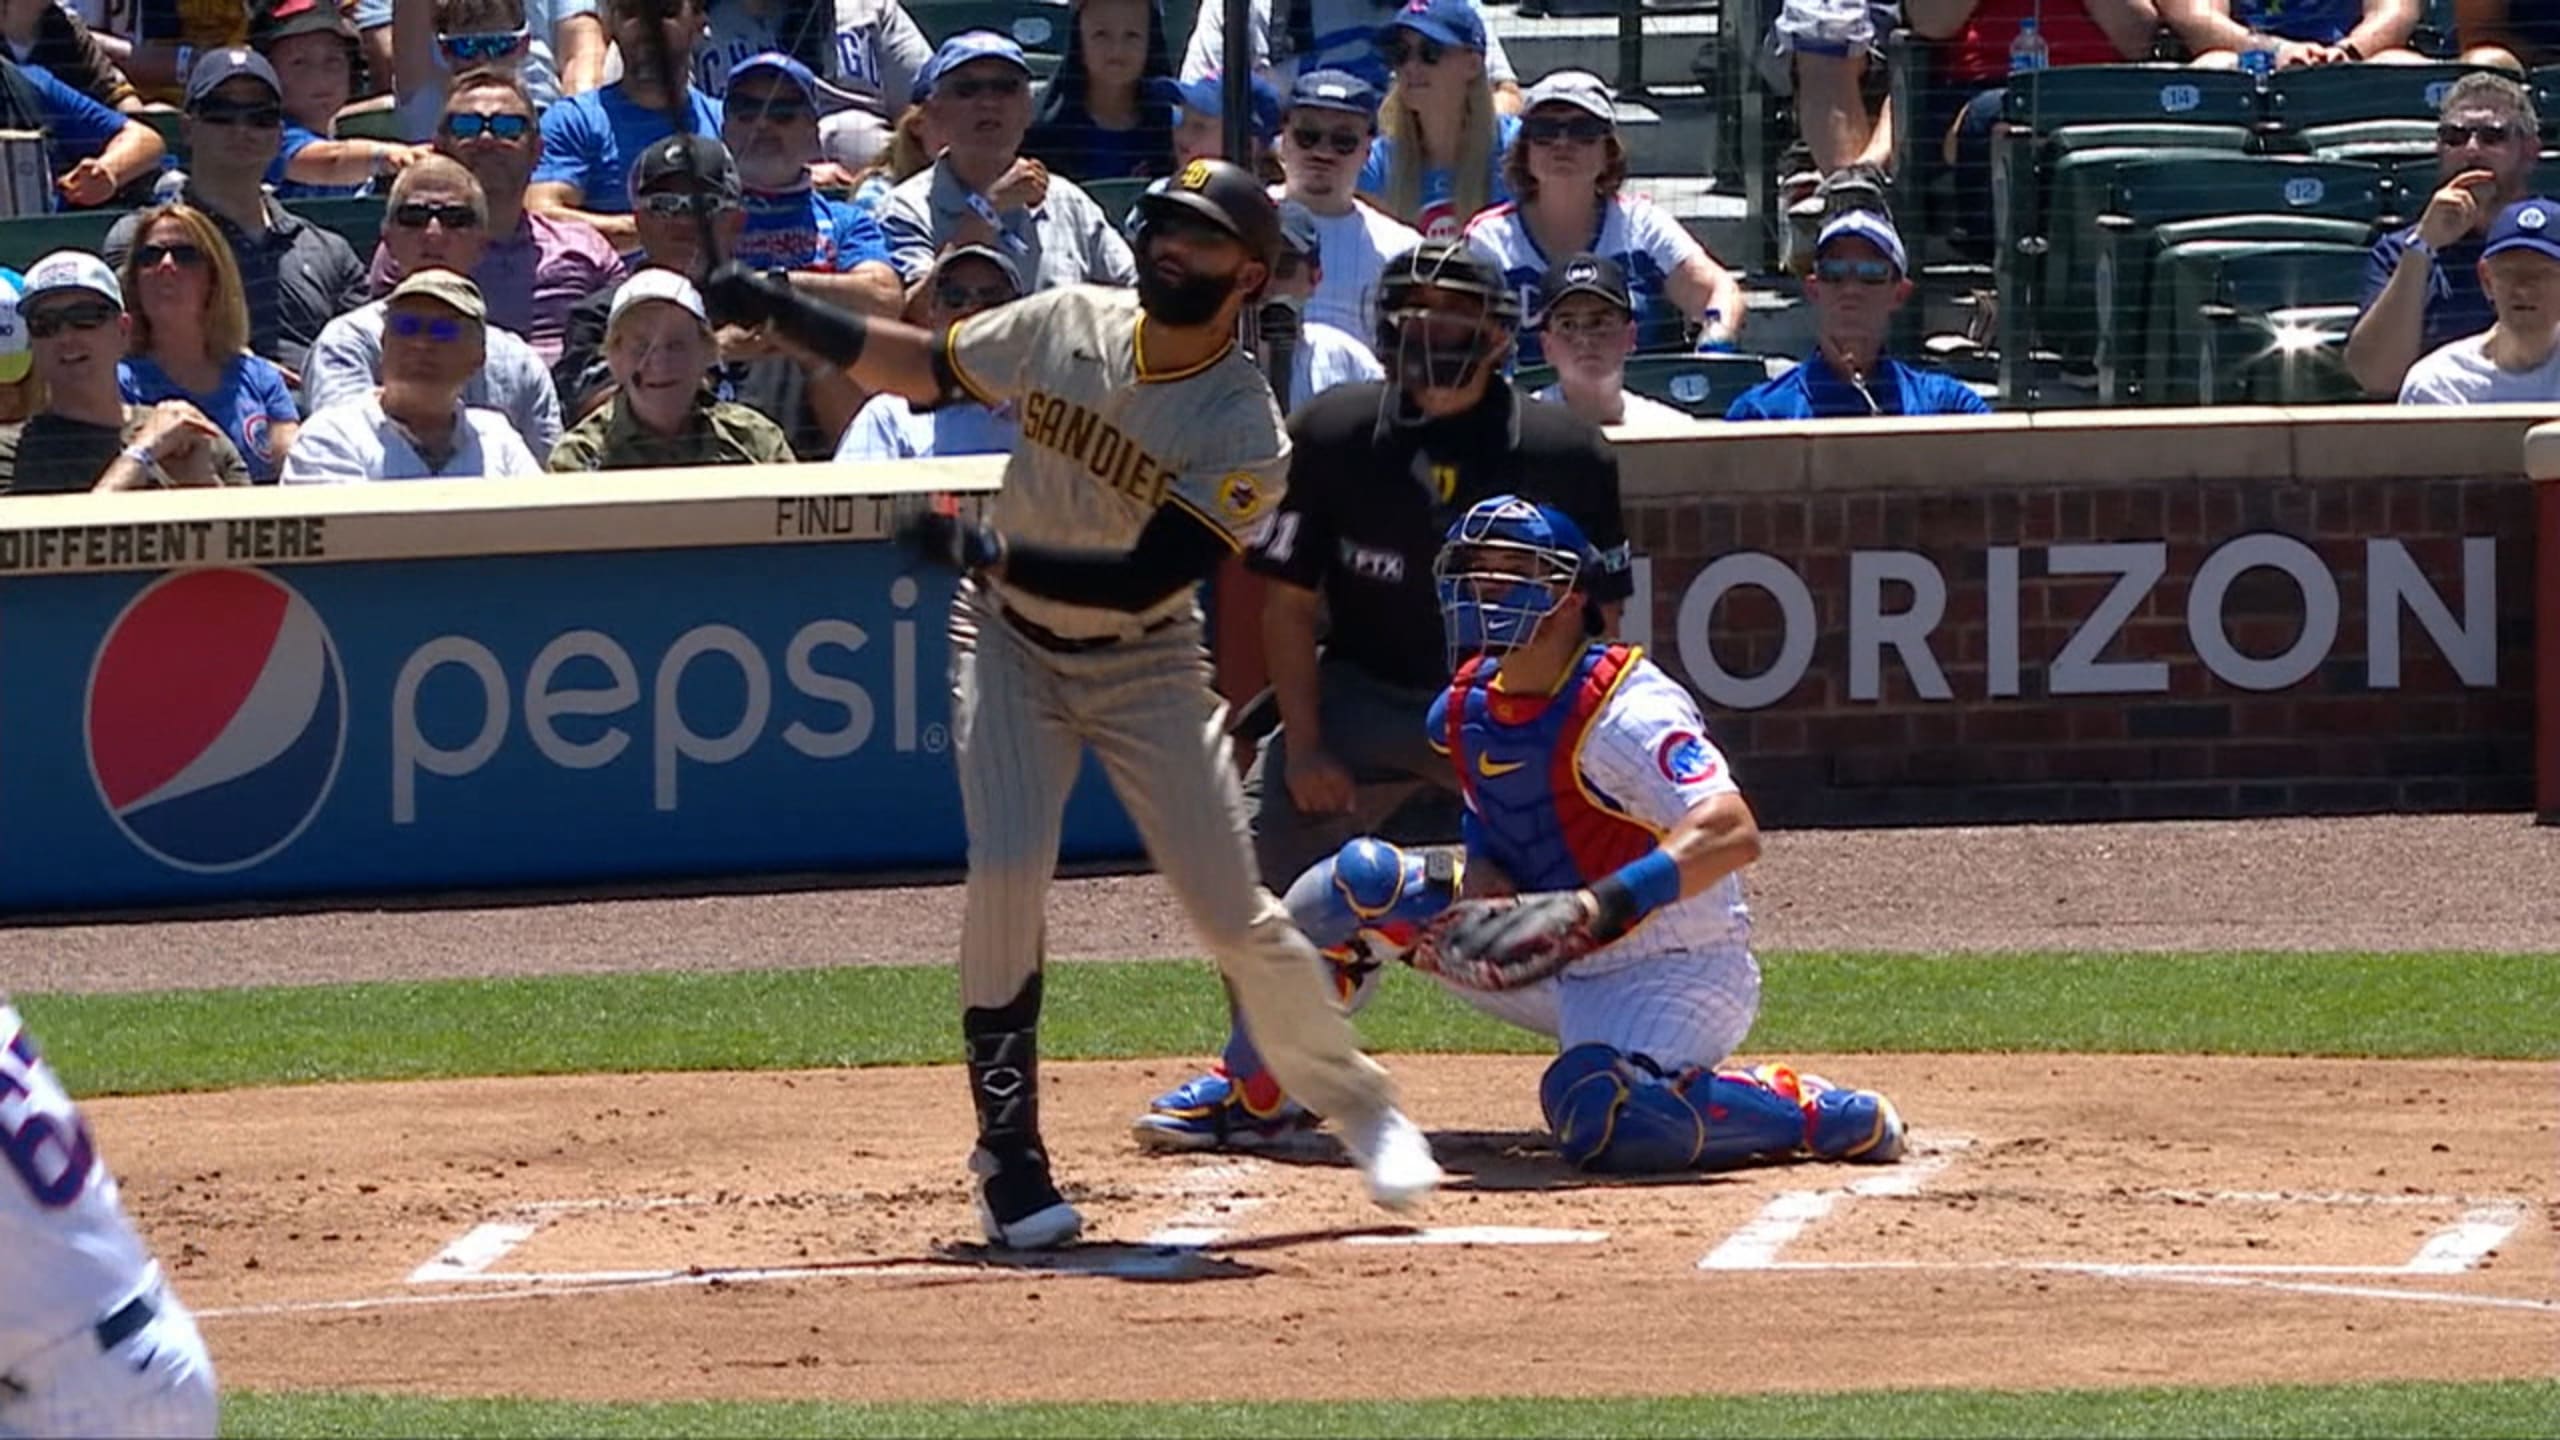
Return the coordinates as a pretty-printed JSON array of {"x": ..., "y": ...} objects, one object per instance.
[{"x": 1210, "y": 1112}]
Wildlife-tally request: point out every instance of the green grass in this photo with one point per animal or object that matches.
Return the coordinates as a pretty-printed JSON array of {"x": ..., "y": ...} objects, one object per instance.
[
  {"x": 2343, "y": 1004},
  {"x": 2517, "y": 1408}
]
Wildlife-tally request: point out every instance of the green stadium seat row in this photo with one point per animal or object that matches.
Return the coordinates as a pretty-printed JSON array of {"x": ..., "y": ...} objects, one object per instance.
[{"x": 2306, "y": 101}]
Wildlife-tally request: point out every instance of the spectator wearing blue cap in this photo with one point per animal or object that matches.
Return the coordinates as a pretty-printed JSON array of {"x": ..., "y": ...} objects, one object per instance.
[
  {"x": 1568, "y": 167},
  {"x": 2517, "y": 359},
  {"x": 1324, "y": 144},
  {"x": 1320, "y": 356},
  {"x": 770, "y": 124},
  {"x": 985, "y": 191},
  {"x": 1326, "y": 35},
  {"x": 967, "y": 280},
  {"x": 1438, "y": 156},
  {"x": 865, "y": 53},
  {"x": 589, "y": 141},
  {"x": 1200, "y": 122},
  {"x": 1107, "y": 114},
  {"x": 1861, "y": 275}
]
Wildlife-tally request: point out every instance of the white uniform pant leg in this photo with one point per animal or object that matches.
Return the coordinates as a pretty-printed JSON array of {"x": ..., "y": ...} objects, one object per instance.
[
  {"x": 157, "y": 1385},
  {"x": 1677, "y": 1009},
  {"x": 1016, "y": 752},
  {"x": 1531, "y": 1007},
  {"x": 1148, "y": 710}
]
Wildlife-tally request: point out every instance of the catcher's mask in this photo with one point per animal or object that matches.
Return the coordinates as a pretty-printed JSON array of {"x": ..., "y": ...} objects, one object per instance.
[
  {"x": 1443, "y": 345},
  {"x": 1508, "y": 564}
]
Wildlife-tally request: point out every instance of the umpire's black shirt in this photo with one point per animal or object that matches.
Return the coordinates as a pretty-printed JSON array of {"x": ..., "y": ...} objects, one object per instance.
[{"x": 1370, "y": 502}]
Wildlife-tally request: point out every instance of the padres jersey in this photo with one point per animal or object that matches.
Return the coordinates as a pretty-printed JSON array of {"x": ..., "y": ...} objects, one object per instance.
[
  {"x": 67, "y": 1253},
  {"x": 1563, "y": 788},
  {"x": 1105, "y": 441}
]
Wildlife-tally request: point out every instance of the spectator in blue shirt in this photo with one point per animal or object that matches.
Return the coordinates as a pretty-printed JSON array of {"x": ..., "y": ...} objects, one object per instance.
[
  {"x": 770, "y": 124},
  {"x": 191, "y": 337},
  {"x": 1861, "y": 275},
  {"x": 590, "y": 140},
  {"x": 94, "y": 152}
]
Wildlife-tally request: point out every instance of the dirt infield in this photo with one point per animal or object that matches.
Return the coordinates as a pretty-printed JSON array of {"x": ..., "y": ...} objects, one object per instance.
[
  {"x": 2081, "y": 1221},
  {"x": 2443, "y": 882}
]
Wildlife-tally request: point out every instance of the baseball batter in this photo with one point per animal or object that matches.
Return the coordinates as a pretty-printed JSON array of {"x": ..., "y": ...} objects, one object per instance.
[
  {"x": 91, "y": 1341},
  {"x": 1589, "y": 783},
  {"x": 1149, "y": 451}
]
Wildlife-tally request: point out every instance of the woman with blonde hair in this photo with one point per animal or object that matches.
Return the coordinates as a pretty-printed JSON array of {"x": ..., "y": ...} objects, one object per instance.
[
  {"x": 1566, "y": 168},
  {"x": 191, "y": 337},
  {"x": 911, "y": 150},
  {"x": 1439, "y": 135}
]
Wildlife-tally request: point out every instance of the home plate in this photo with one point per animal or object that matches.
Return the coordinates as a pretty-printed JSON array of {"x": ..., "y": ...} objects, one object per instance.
[{"x": 1483, "y": 1235}]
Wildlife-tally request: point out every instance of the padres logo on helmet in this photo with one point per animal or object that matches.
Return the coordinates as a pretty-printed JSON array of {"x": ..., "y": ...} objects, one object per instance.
[{"x": 1195, "y": 176}]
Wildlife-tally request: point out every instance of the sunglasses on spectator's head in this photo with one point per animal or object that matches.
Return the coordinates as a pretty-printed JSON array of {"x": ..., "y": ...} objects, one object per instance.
[
  {"x": 1340, "y": 142},
  {"x": 484, "y": 45},
  {"x": 257, "y": 115},
  {"x": 1403, "y": 51},
  {"x": 79, "y": 315},
  {"x": 1548, "y": 129},
  {"x": 442, "y": 329},
  {"x": 971, "y": 297},
  {"x": 973, "y": 86},
  {"x": 670, "y": 203},
  {"x": 496, "y": 127},
  {"x": 1864, "y": 272},
  {"x": 188, "y": 256},
  {"x": 415, "y": 215},
  {"x": 2453, "y": 136}
]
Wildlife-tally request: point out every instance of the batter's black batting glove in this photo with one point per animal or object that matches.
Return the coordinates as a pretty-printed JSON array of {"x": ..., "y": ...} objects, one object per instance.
[
  {"x": 738, "y": 295},
  {"x": 937, "y": 538}
]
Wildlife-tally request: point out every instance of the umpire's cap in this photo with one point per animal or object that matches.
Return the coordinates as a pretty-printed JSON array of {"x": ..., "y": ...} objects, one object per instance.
[{"x": 1226, "y": 196}]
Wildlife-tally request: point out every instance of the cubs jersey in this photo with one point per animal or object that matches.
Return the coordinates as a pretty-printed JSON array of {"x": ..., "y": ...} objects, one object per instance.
[
  {"x": 1563, "y": 788},
  {"x": 1107, "y": 440},
  {"x": 1645, "y": 241},
  {"x": 67, "y": 1253}
]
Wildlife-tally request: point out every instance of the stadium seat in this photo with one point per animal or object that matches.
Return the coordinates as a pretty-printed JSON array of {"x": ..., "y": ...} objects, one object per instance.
[
  {"x": 2374, "y": 140},
  {"x": 359, "y": 220},
  {"x": 1039, "y": 26},
  {"x": 1116, "y": 195},
  {"x": 27, "y": 240},
  {"x": 2545, "y": 84},
  {"x": 2312, "y": 100},
  {"x": 2049, "y": 100},
  {"x": 1703, "y": 385},
  {"x": 2213, "y": 335},
  {"x": 2049, "y": 200},
  {"x": 371, "y": 125}
]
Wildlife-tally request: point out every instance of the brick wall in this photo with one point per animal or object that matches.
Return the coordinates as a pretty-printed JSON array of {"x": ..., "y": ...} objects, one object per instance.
[{"x": 2333, "y": 740}]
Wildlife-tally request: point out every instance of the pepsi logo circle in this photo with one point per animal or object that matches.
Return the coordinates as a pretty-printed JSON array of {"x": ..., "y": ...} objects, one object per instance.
[{"x": 216, "y": 718}]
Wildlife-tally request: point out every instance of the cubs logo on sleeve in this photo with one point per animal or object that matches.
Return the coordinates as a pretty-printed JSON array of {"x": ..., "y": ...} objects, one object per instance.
[{"x": 1686, "y": 758}]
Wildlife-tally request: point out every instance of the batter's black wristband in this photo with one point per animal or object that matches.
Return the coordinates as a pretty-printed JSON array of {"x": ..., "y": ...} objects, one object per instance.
[{"x": 831, "y": 332}]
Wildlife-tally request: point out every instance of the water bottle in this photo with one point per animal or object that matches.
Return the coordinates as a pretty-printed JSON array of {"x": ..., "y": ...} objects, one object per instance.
[
  {"x": 2028, "y": 51},
  {"x": 2258, "y": 56}
]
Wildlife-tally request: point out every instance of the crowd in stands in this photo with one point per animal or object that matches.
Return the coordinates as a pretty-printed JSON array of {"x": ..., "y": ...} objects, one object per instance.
[{"x": 534, "y": 297}]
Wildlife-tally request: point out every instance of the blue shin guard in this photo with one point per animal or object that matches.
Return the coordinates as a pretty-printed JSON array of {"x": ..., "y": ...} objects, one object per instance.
[
  {"x": 1615, "y": 1114},
  {"x": 1751, "y": 1115}
]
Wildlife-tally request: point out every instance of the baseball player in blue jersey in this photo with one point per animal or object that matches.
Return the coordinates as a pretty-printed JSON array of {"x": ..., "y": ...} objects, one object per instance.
[{"x": 1595, "y": 799}]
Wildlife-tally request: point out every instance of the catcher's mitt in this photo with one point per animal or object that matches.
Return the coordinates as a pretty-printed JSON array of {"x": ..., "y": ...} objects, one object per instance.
[{"x": 1505, "y": 942}]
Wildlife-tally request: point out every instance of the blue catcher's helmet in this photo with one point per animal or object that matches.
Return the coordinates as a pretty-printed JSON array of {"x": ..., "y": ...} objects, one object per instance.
[{"x": 1508, "y": 564}]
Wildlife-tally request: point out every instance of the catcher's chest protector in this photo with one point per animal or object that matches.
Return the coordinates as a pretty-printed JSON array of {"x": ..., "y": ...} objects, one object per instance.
[{"x": 1519, "y": 765}]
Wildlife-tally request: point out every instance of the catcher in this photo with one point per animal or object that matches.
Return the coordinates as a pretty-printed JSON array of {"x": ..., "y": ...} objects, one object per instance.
[{"x": 1589, "y": 780}]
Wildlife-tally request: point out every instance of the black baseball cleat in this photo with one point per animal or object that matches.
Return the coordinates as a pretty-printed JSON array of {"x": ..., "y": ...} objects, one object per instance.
[{"x": 1019, "y": 1208}]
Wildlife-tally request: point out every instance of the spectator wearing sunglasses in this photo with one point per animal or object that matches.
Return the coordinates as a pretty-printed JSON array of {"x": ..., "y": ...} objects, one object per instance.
[
  {"x": 2421, "y": 285},
  {"x": 415, "y": 425},
  {"x": 967, "y": 279},
  {"x": 675, "y": 183},
  {"x": 563, "y": 54},
  {"x": 866, "y": 53},
  {"x": 588, "y": 141},
  {"x": 985, "y": 191},
  {"x": 770, "y": 122},
  {"x": 2306, "y": 32},
  {"x": 439, "y": 39},
  {"x": 190, "y": 337},
  {"x": 1437, "y": 158},
  {"x": 93, "y": 152},
  {"x": 1587, "y": 312},
  {"x": 1319, "y": 356},
  {"x": 1325, "y": 35},
  {"x": 1324, "y": 142},
  {"x": 661, "y": 413},
  {"x": 534, "y": 268},
  {"x": 438, "y": 220},
  {"x": 84, "y": 434},
  {"x": 312, "y": 48},
  {"x": 296, "y": 276},
  {"x": 1108, "y": 112},
  {"x": 1567, "y": 167},
  {"x": 1861, "y": 275}
]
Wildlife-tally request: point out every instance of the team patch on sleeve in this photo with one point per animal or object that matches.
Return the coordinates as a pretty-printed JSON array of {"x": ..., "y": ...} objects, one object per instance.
[
  {"x": 1685, "y": 758},
  {"x": 1242, "y": 497}
]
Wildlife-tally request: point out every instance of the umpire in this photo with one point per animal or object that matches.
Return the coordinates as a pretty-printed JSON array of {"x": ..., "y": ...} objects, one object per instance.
[{"x": 1379, "y": 472}]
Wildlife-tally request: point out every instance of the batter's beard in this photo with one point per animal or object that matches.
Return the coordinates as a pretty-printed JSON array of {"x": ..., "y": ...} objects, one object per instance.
[{"x": 1192, "y": 300}]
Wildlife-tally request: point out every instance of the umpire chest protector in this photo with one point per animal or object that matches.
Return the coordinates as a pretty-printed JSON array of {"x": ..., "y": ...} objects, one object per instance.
[{"x": 1518, "y": 760}]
